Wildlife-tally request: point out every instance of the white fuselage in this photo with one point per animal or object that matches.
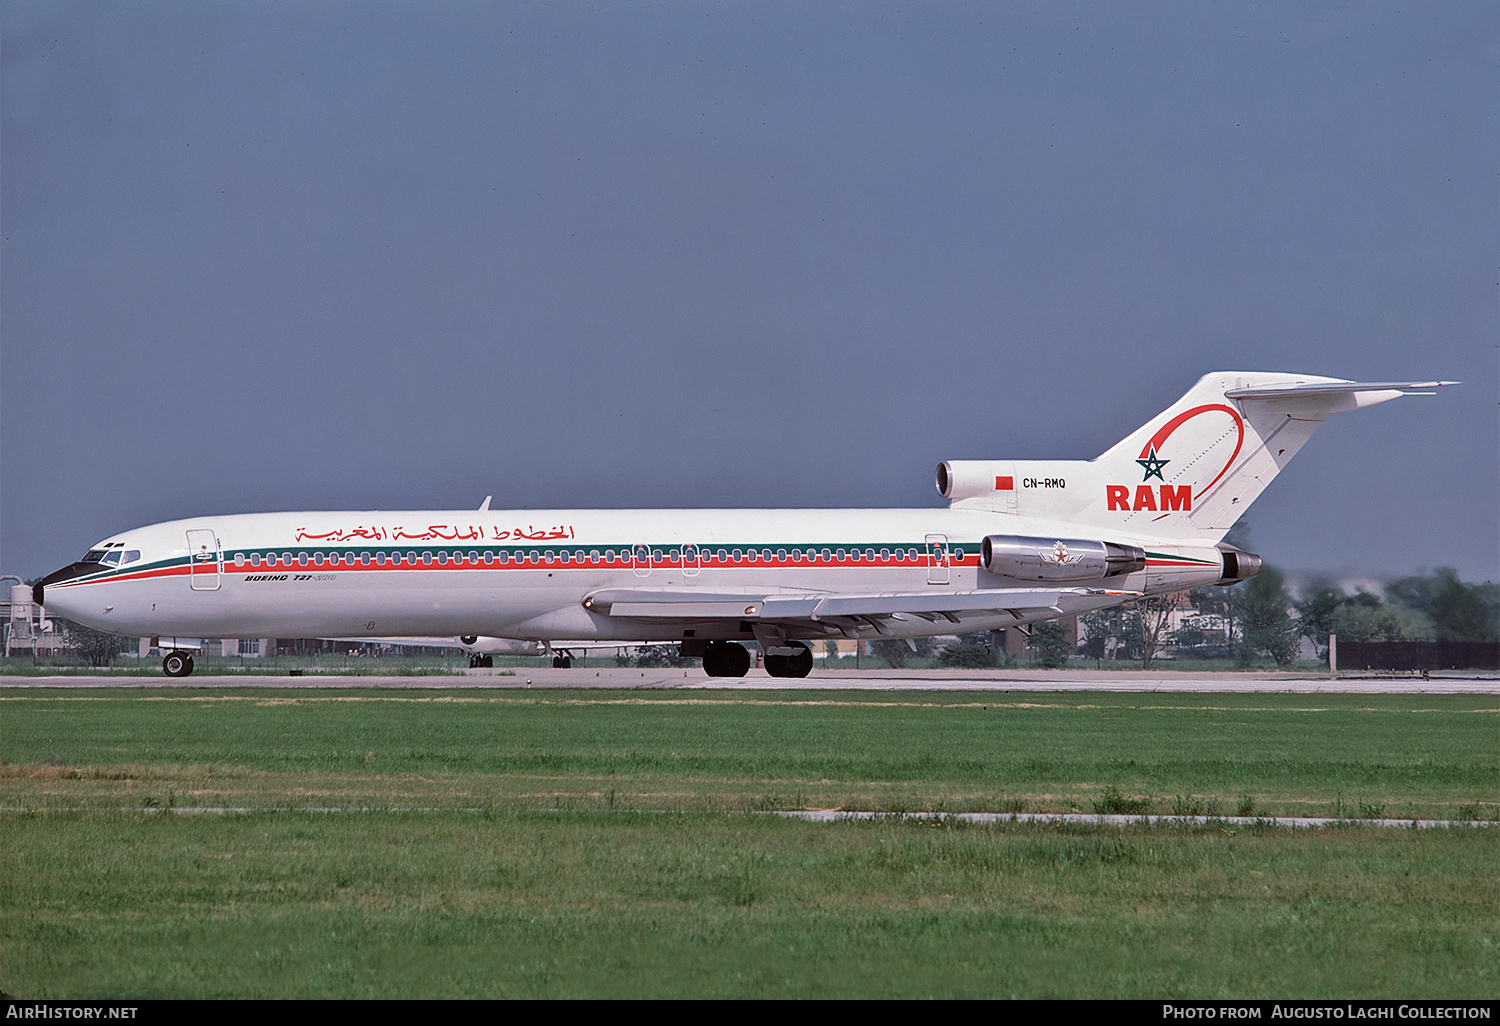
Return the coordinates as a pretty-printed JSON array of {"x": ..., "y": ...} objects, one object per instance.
[{"x": 528, "y": 574}]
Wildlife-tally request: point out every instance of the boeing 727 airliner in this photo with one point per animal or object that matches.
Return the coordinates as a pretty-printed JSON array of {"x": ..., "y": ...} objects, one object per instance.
[{"x": 1019, "y": 542}]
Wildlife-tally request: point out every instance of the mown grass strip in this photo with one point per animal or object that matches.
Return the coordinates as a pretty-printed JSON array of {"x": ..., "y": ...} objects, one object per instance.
[
  {"x": 597, "y": 904},
  {"x": 1407, "y": 756}
]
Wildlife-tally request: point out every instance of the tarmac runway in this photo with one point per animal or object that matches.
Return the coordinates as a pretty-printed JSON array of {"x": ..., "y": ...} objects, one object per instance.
[{"x": 1450, "y": 682}]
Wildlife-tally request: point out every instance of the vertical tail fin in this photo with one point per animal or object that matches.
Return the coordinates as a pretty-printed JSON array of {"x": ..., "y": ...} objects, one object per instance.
[
  {"x": 1189, "y": 472},
  {"x": 1196, "y": 467}
]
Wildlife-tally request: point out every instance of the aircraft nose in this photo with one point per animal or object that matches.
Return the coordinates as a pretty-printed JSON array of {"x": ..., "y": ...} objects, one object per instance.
[{"x": 67, "y": 573}]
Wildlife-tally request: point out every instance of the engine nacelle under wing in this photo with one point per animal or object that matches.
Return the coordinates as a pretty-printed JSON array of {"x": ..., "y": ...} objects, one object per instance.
[{"x": 1057, "y": 559}]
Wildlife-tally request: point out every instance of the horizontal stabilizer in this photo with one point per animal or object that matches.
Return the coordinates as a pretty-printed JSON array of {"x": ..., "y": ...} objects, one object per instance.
[{"x": 1337, "y": 388}]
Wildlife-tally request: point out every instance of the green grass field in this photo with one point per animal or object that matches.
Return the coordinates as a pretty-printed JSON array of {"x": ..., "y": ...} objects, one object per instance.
[{"x": 609, "y": 844}]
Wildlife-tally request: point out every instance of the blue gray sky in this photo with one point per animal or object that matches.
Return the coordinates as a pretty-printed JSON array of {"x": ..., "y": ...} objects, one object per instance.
[{"x": 311, "y": 255}]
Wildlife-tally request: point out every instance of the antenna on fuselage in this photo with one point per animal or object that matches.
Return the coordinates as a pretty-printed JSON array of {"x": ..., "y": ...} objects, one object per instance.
[{"x": 484, "y": 506}]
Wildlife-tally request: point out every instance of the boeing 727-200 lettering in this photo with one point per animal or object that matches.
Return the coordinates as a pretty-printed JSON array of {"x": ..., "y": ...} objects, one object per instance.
[{"x": 1019, "y": 542}]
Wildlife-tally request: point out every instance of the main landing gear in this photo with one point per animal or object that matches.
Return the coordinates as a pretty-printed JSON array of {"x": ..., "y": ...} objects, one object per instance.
[
  {"x": 177, "y": 664},
  {"x": 799, "y": 665},
  {"x": 726, "y": 659},
  {"x": 563, "y": 660},
  {"x": 479, "y": 662}
]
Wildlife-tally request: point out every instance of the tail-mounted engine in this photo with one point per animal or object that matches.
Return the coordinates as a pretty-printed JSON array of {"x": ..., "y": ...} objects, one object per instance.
[
  {"x": 1058, "y": 559},
  {"x": 1239, "y": 565},
  {"x": 969, "y": 479}
]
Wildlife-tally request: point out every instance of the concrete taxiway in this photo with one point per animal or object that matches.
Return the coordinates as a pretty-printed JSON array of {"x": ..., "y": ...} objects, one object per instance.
[{"x": 1450, "y": 682}]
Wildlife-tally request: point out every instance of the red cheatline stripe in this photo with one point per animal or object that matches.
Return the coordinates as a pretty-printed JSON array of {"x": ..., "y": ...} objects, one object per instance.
[{"x": 183, "y": 570}]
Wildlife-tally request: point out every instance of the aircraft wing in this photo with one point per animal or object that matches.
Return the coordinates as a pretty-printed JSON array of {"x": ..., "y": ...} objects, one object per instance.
[
  {"x": 833, "y": 610},
  {"x": 493, "y": 646}
]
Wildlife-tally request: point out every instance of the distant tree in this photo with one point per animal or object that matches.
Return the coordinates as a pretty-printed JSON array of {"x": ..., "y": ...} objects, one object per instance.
[
  {"x": 655, "y": 656},
  {"x": 1131, "y": 629},
  {"x": 1098, "y": 626},
  {"x": 1216, "y": 603},
  {"x": 1363, "y": 621},
  {"x": 1464, "y": 612},
  {"x": 1049, "y": 639},
  {"x": 969, "y": 652},
  {"x": 1193, "y": 634},
  {"x": 1265, "y": 621},
  {"x": 1458, "y": 611},
  {"x": 1416, "y": 592},
  {"x": 98, "y": 647},
  {"x": 1325, "y": 610},
  {"x": 894, "y": 651},
  {"x": 1315, "y": 611},
  {"x": 1152, "y": 613}
]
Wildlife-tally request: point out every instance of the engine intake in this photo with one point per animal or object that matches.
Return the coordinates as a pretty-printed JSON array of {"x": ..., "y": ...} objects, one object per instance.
[
  {"x": 1058, "y": 559},
  {"x": 968, "y": 479}
]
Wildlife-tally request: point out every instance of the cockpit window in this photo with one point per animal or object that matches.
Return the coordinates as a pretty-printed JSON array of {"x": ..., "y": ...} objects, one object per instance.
[
  {"x": 131, "y": 555},
  {"x": 112, "y": 558},
  {"x": 93, "y": 556}
]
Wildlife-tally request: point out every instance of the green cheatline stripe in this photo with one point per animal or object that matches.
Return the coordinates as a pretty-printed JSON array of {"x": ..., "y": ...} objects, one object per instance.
[
  {"x": 1181, "y": 559},
  {"x": 960, "y": 550}
]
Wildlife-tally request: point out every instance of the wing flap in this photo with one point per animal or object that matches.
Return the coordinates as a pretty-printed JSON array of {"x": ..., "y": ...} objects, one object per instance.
[
  {"x": 924, "y": 602},
  {"x": 763, "y": 606}
]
